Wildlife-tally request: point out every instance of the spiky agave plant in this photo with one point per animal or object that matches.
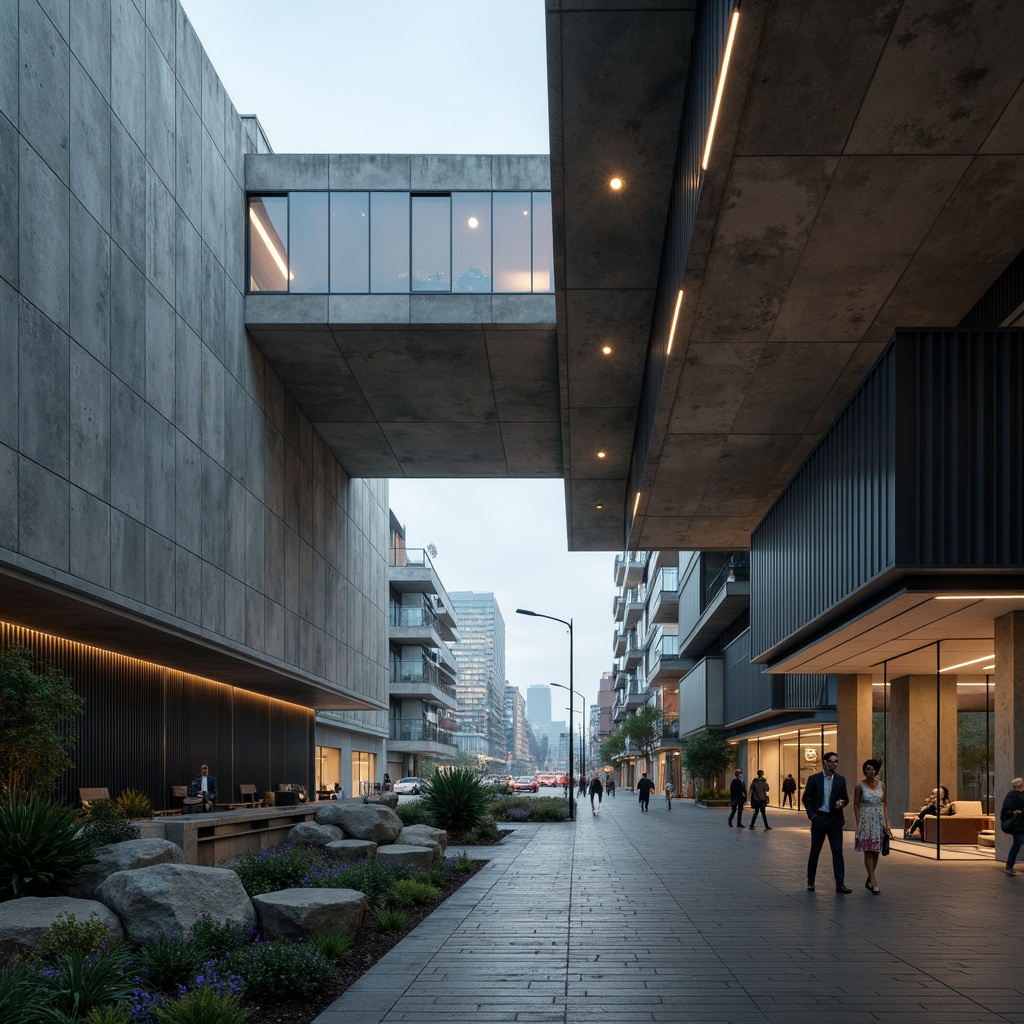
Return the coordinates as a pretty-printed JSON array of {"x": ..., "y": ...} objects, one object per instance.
[{"x": 456, "y": 801}]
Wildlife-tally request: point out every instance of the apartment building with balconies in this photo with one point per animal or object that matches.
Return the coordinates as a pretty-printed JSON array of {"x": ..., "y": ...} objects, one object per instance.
[{"x": 422, "y": 629}]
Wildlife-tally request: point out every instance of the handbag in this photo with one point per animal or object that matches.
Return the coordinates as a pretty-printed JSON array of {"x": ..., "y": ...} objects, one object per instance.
[
  {"x": 1011, "y": 824},
  {"x": 885, "y": 844}
]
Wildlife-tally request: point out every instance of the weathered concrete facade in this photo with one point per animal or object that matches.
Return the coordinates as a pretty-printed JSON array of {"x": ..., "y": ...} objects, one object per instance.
[{"x": 161, "y": 494}]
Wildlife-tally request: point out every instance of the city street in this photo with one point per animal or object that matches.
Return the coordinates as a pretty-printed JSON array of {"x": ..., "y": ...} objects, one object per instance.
[{"x": 672, "y": 916}]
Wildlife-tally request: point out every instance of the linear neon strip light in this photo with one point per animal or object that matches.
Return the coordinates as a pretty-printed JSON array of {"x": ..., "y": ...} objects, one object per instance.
[
  {"x": 636, "y": 503},
  {"x": 721, "y": 88},
  {"x": 262, "y": 231},
  {"x": 675, "y": 320},
  {"x": 964, "y": 664},
  {"x": 980, "y": 597}
]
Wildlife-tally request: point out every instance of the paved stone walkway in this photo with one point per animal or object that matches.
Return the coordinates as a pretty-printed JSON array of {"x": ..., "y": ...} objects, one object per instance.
[{"x": 672, "y": 916}]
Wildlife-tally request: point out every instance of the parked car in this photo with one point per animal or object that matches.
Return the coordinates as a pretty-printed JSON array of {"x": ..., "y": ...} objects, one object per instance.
[
  {"x": 411, "y": 786},
  {"x": 524, "y": 784}
]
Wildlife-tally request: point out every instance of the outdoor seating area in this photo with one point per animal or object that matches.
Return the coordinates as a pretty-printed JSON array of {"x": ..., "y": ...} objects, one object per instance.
[{"x": 247, "y": 798}]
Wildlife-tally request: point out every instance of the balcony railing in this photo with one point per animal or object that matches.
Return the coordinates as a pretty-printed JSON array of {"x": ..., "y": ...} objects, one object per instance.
[
  {"x": 414, "y": 615},
  {"x": 416, "y": 558},
  {"x": 670, "y": 727},
  {"x": 419, "y": 673},
  {"x": 735, "y": 570},
  {"x": 416, "y": 730}
]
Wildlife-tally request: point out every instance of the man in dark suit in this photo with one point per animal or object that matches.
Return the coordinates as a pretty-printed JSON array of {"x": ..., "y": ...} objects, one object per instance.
[
  {"x": 825, "y": 797},
  {"x": 204, "y": 786}
]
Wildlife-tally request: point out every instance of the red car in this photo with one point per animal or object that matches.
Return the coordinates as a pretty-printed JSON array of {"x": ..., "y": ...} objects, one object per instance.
[{"x": 524, "y": 784}]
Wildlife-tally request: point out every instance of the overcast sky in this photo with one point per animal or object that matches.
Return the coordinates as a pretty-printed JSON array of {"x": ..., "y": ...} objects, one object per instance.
[{"x": 432, "y": 76}]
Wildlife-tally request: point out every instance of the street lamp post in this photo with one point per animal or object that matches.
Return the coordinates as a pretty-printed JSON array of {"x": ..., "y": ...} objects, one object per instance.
[
  {"x": 583, "y": 742},
  {"x": 538, "y": 615}
]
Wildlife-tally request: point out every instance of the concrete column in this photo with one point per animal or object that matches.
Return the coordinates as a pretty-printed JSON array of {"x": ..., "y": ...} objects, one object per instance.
[
  {"x": 910, "y": 773},
  {"x": 853, "y": 724},
  {"x": 1009, "y": 713}
]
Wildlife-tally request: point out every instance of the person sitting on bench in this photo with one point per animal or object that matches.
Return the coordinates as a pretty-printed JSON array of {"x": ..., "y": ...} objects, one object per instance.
[
  {"x": 203, "y": 788},
  {"x": 935, "y": 804}
]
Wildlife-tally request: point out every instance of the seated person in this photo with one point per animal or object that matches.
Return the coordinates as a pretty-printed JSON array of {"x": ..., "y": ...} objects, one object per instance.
[
  {"x": 204, "y": 786},
  {"x": 339, "y": 793},
  {"x": 937, "y": 803}
]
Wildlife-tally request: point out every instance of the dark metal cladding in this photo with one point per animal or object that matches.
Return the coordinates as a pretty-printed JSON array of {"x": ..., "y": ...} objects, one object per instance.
[
  {"x": 148, "y": 728},
  {"x": 921, "y": 471}
]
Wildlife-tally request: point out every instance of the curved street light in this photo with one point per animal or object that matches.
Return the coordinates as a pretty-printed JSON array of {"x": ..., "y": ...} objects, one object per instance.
[
  {"x": 564, "y": 622},
  {"x": 583, "y": 742}
]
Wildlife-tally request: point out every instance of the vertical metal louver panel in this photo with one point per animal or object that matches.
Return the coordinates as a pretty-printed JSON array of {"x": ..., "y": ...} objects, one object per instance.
[
  {"x": 922, "y": 470},
  {"x": 148, "y": 727}
]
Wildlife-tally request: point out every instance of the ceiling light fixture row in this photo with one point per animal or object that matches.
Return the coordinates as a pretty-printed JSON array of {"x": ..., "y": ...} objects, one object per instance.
[{"x": 734, "y": 22}]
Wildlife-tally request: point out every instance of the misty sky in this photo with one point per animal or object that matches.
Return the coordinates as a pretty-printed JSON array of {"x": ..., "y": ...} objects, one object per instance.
[{"x": 432, "y": 76}]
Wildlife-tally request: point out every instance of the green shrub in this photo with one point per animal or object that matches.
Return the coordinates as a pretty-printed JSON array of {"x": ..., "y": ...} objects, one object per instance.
[
  {"x": 278, "y": 971},
  {"x": 412, "y": 813},
  {"x": 66, "y": 937},
  {"x": 713, "y": 794},
  {"x": 40, "y": 853},
  {"x": 20, "y": 999},
  {"x": 204, "y": 1005},
  {"x": 367, "y": 876},
  {"x": 108, "y": 1015},
  {"x": 271, "y": 870},
  {"x": 169, "y": 962},
  {"x": 78, "y": 983},
  {"x": 335, "y": 946},
  {"x": 106, "y": 824},
  {"x": 463, "y": 864},
  {"x": 216, "y": 938},
  {"x": 133, "y": 804},
  {"x": 408, "y": 892},
  {"x": 519, "y": 808},
  {"x": 456, "y": 802},
  {"x": 390, "y": 919}
]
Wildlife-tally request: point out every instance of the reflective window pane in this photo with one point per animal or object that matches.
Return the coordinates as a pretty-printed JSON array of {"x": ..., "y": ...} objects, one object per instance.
[
  {"x": 307, "y": 241},
  {"x": 543, "y": 245},
  {"x": 350, "y": 242},
  {"x": 471, "y": 241},
  {"x": 512, "y": 239},
  {"x": 431, "y": 243},
  {"x": 268, "y": 243},
  {"x": 389, "y": 242}
]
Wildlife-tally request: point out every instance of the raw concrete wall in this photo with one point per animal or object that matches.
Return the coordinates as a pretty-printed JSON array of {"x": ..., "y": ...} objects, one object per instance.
[{"x": 149, "y": 458}]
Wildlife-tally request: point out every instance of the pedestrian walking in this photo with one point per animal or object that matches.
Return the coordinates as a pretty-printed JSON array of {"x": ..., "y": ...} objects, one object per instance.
[
  {"x": 1011, "y": 820},
  {"x": 759, "y": 800},
  {"x": 669, "y": 793},
  {"x": 611, "y": 786},
  {"x": 788, "y": 789},
  {"x": 737, "y": 798},
  {"x": 644, "y": 787},
  {"x": 872, "y": 814},
  {"x": 583, "y": 783},
  {"x": 825, "y": 797},
  {"x": 596, "y": 789}
]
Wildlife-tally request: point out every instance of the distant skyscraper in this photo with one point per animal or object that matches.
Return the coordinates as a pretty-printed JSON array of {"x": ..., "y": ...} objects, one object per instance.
[
  {"x": 515, "y": 725},
  {"x": 481, "y": 680},
  {"x": 538, "y": 708}
]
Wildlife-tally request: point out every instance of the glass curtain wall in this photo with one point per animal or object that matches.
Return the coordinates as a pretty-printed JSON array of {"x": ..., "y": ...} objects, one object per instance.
[
  {"x": 364, "y": 772},
  {"x": 394, "y": 243}
]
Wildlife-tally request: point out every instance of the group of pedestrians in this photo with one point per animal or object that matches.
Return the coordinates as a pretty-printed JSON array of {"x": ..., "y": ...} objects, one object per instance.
[{"x": 759, "y": 789}]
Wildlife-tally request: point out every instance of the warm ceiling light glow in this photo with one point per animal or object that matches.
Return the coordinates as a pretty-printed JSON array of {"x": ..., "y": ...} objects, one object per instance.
[
  {"x": 615, "y": 184},
  {"x": 636, "y": 503},
  {"x": 606, "y": 349},
  {"x": 473, "y": 222},
  {"x": 601, "y": 455},
  {"x": 980, "y": 597},
  {"x": 675, "y": 320},
  {"x": 599, "y": 507},
  {"x": 964, "y": 664},
  {"x": 721, "y": 89},
  {"x": 268, "y": 242}
]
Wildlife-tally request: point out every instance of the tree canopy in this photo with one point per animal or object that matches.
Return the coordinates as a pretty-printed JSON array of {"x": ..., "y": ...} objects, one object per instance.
[
  {"x": 38, "y": 706},
  {"x": 643, "y": 730},
  {"x": 612, "y": 747},
  {"x": 705, "y": 757}
]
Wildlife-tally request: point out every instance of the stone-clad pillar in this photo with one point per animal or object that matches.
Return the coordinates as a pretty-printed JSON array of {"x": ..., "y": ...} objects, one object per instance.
[
  {"x": 1009, "y": 713},
  {"x": 910, "y": 773},
  {"x": 853, "y": 725}
]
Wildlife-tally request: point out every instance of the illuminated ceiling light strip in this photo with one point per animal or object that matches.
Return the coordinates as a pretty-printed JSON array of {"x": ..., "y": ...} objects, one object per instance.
[
  {"x": 262, "y": 231},
  {"x": 636, "y": 503},
  {"x": 963, "y": 664},
  {"x": 721, "y": 88},
  {"x": 675, "y": 320},
  {"x": 980, "y": 597}
]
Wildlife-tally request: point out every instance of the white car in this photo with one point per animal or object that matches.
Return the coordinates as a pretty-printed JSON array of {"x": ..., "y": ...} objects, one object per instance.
[{"x": 412, "y": 785}]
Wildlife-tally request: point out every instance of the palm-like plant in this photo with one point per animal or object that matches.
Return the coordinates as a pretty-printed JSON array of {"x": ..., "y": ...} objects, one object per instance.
[{"x": 456, "y": 801}]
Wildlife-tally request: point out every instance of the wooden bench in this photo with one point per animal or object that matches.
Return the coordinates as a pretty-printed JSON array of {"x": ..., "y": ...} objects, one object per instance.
[
  {"x": 178, "y": 793},
  {"x": 248, "y": 799},
  {"x": 88, "y": 795}
]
